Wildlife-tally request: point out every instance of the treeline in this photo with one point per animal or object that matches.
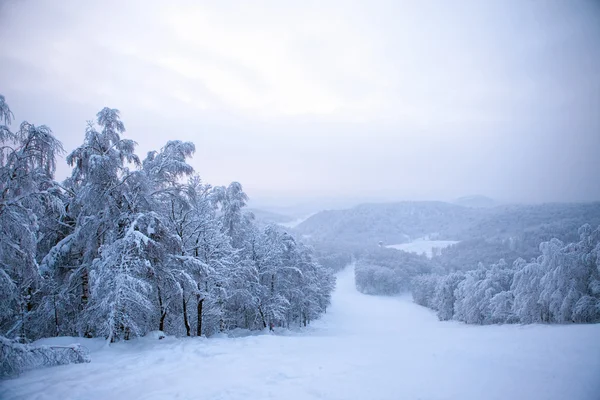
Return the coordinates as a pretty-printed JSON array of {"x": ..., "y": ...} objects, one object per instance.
[
  {"x": 388, "y": 271},
  {"x": 390, "y": 223},
  {"x": 466, "y": 255},
  {"x": 562, "y": 285},
  {"x": 128, "y": 245}
]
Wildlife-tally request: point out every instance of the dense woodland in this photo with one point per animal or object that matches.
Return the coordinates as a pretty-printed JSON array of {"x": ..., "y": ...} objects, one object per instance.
[
  {"x": 524, "y": 226},
  {"x": 562, "y": 285},
  {"x": 466, "y": 281},
  {"x": 127, "y": 245},
  {"x": 390, "y": 223},
  {"x": 485, "y": 235},
  {"x": 389, "y": 271}
]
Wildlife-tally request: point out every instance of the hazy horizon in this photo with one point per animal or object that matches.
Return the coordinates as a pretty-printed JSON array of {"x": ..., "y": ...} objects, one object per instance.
[
  {"x": 338, "y": 102},
  {"x": 302, "y": 208}
]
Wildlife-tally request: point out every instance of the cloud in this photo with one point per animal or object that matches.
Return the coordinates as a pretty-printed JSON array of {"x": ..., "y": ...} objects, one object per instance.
[{"x": 398, "y": 99}]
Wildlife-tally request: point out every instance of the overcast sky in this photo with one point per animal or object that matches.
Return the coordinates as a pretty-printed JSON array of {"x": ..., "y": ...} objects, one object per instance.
[{"x": 378, "y": 100}]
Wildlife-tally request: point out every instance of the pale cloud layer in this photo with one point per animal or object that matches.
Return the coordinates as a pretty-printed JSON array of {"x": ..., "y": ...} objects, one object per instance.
[{"x": 372, "y": 100}]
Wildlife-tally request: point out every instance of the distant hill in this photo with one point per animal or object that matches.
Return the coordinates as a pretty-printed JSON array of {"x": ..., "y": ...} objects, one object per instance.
[
  {"x": 394, "y": 223},
  {"x": 485, "y": 234},
  {"x": 269, "y": 217},
  {"x": 535, "y": 222},
  {"x": 475, "y": 201},
  {"x": 390, "y": 223}
]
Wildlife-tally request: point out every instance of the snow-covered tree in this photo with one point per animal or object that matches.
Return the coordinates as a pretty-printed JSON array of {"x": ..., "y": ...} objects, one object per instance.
[
  {"x": 119, "y": 305},
  {"x": 98, "y": 211},
  {"x": 28, "y": 194},
  {"x": 444, "y": 297},
  {"x": 231, "y": 200},
  {"x": 125, "y": 247},
  {"x": 205, "y": 242},
  {"x": 562, "y": 285},
  {"x": 423, "y": 288},
  {"x": 570, "y": 271},
  {"x": 16, "y": 357}
]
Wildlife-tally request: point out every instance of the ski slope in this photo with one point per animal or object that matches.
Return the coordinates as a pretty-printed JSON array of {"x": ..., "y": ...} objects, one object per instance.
[{"x": 366, "y": 347}]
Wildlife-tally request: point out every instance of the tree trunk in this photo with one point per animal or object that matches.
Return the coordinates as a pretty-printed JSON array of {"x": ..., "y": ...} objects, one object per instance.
[
  {"x": 188, "y": 329},
  {"x": 85, "y": 291},
  {"x": 262, "y": 316},
  {"x": 161, "y": 324},
  {"x": 56, "y": 317},
  {"x": 199, "y": 326},
  {"x": 272, "y": 285},
  {"x": 85, "y": 295},
  {"x": 163, "y": 311},
  {"x": 29, "y": 297},
  {"x": 246, "y": 321}
]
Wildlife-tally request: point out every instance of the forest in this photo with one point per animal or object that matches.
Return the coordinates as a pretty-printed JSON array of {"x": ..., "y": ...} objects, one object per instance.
[
  {"x": 536, "y": 263},
  {"x": 129, "y": 245},
  {"x": 561, "y": 285},
  {"x": 484, "y": 235}
]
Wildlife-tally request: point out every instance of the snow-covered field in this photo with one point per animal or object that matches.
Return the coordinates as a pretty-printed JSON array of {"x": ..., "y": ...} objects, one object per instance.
[
  {"x": 366, "y": 347},
  {"x": 421, "y": 246}
]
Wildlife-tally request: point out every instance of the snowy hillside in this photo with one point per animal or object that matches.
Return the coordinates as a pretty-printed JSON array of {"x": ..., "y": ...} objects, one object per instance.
[
  {"x": 423, "y": 246},
  {"x": 367, "y": 224},
  {"x": 365, "y": 347},
  {"x": 294, "y": 223},
  {"x": 485, "y": 234},
  {"x": 400, "y": 222}
]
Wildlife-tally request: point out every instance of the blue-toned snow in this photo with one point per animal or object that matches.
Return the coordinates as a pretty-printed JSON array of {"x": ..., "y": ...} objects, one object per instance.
[{"x": 365, "y": 347}]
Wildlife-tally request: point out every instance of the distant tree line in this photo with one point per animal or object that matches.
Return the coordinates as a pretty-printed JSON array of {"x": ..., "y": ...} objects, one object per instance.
[
  {"x": 388, "y": 271},
  {"x": 562, "y": 285}
]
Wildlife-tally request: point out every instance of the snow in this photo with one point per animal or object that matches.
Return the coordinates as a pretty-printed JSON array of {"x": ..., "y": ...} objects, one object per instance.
[
  {"x": 92, "y": 345},
  {"x": 365, "y": 347},
  {"x": 421, "y": 246}
]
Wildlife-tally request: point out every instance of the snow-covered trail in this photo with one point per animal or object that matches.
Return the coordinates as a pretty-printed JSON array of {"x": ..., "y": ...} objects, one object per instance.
[{"x": 366, "y": 347}]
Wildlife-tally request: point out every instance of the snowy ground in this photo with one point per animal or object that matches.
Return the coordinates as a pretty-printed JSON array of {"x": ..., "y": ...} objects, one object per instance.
[
  {"x": 366, "y": 347},
  {"x": 421, "y": 246}
]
